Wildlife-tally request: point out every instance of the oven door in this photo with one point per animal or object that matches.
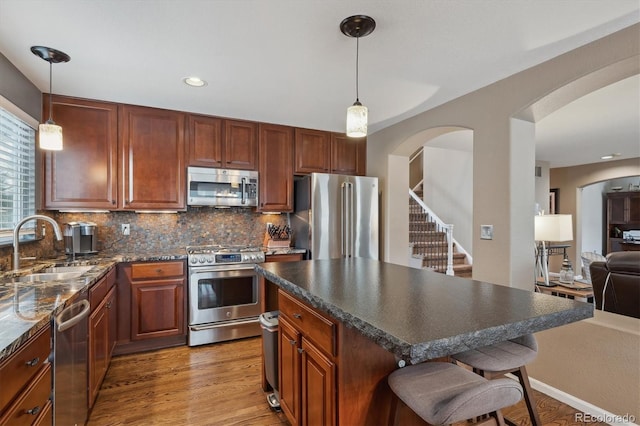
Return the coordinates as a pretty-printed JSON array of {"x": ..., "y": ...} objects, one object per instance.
[{"x": 229, "y": 292}]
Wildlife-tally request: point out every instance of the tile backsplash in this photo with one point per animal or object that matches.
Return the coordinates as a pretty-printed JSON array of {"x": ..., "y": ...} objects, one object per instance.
[{"x": 156, "y": 232}]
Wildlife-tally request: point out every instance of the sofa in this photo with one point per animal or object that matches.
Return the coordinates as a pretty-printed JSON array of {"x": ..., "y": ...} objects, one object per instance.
[{"x": 616, "y": 283}]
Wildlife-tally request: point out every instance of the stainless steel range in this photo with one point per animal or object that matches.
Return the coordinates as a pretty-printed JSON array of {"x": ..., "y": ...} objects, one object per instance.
[{"x": 224, "y": 296}]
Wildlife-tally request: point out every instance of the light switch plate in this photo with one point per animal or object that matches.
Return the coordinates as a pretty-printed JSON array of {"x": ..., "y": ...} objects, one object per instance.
[
  {"x": 486, "y": 232},
  {"x": 126, "y": 229}
]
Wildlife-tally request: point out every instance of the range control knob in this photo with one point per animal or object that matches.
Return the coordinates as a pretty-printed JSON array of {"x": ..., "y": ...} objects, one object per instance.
[{"x": 201, "y": 259}]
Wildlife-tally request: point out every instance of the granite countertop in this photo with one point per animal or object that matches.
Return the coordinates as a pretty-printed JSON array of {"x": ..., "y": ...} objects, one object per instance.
[
  {"x": 419, "y": 314},
  {"x": 27, "y": 307},
  {"x": 269, "y": 251}
]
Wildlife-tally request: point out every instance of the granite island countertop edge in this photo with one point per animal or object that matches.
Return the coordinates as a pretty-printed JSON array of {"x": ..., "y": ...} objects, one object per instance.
[{"x": 419, "y": 352}]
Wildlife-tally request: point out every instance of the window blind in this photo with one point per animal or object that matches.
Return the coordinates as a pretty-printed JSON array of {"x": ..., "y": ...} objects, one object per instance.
[{"x": 17, "y": 173}]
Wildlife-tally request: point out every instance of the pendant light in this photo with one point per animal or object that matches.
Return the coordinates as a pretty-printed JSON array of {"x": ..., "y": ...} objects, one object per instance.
[
  {"x": 357, "y": 26},
  {"x": 49, "y": 133}
]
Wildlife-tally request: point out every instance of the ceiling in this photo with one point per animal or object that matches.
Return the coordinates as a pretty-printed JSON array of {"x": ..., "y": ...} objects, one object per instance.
[{"x": 286, "y": 61}]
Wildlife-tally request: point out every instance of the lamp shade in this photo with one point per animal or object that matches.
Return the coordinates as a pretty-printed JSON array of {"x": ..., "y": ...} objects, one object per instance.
[
  {"x": 553, "y": 227},
  {"x": 50, "y": 136},
  {"x": 357, "y": 120}
]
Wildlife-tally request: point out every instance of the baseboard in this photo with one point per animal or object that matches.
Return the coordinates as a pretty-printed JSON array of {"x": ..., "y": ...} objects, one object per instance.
[{"x": 592, "y": 412}]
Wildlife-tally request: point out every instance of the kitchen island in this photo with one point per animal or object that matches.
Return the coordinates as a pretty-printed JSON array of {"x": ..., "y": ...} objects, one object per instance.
[{"x": 380, "y": 315}]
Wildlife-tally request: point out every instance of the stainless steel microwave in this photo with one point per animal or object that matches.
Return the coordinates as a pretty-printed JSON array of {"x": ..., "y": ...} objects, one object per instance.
[{"x": 221, "y": 187}]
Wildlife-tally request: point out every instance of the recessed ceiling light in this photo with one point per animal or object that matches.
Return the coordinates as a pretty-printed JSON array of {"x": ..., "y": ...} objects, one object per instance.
[
  {"x": 610, "y": 156},
  {"x": 194, "y": 81}
]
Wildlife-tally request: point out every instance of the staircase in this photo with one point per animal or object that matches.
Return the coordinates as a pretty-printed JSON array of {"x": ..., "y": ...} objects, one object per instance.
[{"x": 429, "y": 245}]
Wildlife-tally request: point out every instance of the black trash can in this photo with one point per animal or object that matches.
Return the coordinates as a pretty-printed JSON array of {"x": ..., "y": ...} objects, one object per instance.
[{"x": 269, "y": 325}]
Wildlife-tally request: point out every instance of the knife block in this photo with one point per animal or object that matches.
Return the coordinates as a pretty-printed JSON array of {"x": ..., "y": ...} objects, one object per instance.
[{"x": 271, "y": 243}]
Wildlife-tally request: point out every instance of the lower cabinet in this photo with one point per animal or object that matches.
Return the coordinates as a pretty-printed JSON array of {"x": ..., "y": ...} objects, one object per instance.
[
  {"x": 152, "y": 305},
  {"x": 307, "y": 364},
  {"x": 25, "y": 383},
  {"x": 102, "y": 331}
]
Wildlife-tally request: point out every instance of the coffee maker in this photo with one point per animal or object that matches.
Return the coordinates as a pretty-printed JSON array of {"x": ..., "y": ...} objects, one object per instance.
[{"x": 80, "y": 238}]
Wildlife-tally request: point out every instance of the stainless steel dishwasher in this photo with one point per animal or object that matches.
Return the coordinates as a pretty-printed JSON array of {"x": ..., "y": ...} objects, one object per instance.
[{"x": 70, "y": 386}]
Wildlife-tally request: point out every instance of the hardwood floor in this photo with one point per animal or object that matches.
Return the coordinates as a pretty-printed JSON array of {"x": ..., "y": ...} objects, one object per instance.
[{"x": 219, "y": 384}]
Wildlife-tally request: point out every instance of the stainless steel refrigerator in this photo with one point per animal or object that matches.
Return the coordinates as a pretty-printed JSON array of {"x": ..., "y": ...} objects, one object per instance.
[{"x": 336, "y": 216}]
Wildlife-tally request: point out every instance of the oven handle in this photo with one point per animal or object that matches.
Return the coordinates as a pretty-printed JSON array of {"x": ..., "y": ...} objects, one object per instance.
[{"x": 222, "y": 325}]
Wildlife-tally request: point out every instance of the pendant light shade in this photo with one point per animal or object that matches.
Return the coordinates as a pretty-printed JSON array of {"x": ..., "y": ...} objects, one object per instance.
[
  {"x": 357, "y": 114},
  {"x": 357, "y": 120},
  {"x": 49, "y": 133},
  {"x": 50, "y": 136}
]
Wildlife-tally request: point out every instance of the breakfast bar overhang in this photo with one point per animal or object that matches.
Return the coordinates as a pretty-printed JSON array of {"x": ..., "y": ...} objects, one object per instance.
[
  {"x": 418, "y": 314},
  {"x": 345, "y": 324}
]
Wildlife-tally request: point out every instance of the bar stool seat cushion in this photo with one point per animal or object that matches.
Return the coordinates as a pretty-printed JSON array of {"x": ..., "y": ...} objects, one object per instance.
[
  {"x": 443, "y": 393},
  {"x": 507, "y": 355}
]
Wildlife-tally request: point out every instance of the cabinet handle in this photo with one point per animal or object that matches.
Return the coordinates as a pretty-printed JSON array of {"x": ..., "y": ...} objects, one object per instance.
[
  {"x": 159, "y": 271},
  {"x": 293, "y": 342},
  {"x": 113, "y": 202},
  {"x": 300, "y": 350},
  {"x": 297, "y": 316},
  {"x": 33, "y": 362},
  {"x": 108, "y": 305},
  {"x": 33, "y": 411}
]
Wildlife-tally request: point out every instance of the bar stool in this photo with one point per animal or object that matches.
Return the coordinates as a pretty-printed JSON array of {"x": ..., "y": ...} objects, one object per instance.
[
  {"x": 443, "y": 393},
  {"x": 510, "y": 356}
]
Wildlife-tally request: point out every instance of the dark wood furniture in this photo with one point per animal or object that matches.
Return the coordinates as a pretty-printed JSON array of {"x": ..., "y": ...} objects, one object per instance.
[
  {"x": 221, "y": 143},
  {"x": 102, "y": 331},
  {"x": 26, "y": 383},
  {"x": 312, "y": 151},
  {"x": 152, "y": 305},
  {"x": 348, "y": 155},
  {"x": 275, "y": 153},
  {"x": 85, "y": 173},
  {"x": 623, "y": 214},
  {"x": 153, "y": 158}
]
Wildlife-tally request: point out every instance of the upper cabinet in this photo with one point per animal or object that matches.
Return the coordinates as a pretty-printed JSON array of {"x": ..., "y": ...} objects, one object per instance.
[
  {"x": 312, "y": 151},
  {"x": 275, "y": 152},
  {"x": 348, "y": 155},
  {"x": 153, "y": 158},
  {"x": 221, "y": 143},
  {"x": 325, "y": 152},
  {"x": 84, "y": 173}
]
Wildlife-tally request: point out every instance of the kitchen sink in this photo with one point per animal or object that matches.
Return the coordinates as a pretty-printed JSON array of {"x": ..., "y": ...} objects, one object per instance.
[
  {"x": 68, "y": 269},
  {"x": 55, "y": 273}
]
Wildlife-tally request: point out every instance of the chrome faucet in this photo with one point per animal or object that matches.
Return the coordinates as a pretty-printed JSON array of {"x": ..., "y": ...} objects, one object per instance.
[{"x": 16, "y": 235}]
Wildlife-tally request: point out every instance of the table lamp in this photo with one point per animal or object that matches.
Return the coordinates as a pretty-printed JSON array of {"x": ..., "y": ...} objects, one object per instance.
[{"x": 547, "y": 228}]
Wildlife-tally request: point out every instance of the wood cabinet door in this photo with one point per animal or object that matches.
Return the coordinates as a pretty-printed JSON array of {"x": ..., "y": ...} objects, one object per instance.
[
  {"x": 157, "y": 308},
  {"x": 153, "y": 158},
  {"x": 84, "y": 173},
  {"x": 98, "y": 349},
  {"x": 634, "y": 208},
  {"x": 112, "y": 309},
  {"x": 312, "y": 151},
  {"x": 348, "y": 155},
  {"x": 289, "y": 370},
  {"x": 276, "y": 168},
  {"x": 318, "y": 387},
  {"x": 617, "y": 208},
  {"x": 240, "y": 145},
  {"x": 205, "y": 141}
]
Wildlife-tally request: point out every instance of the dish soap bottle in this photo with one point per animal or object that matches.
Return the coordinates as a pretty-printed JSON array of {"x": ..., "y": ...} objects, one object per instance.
[{"x": 566, "y": 272}]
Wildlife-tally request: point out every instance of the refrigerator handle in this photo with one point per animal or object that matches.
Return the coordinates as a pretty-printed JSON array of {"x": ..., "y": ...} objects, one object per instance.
[
  {"x": 349, "y": 219},
  {"x": 343, "y": 220}
]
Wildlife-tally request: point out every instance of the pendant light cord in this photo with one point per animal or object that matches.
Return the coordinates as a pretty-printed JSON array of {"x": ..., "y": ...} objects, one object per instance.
[
  {"x": 357, "y": 62},
  {"x": 50, "y": 121}
]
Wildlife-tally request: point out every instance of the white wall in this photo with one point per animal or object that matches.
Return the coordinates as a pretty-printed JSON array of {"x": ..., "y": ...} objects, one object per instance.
[
  {"x": 448, "y": 190},
  {"x": 592, "y": 219}
]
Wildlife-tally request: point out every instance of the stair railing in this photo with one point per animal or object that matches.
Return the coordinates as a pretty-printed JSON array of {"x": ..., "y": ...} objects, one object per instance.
[{"x": 446, "y": 228}]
